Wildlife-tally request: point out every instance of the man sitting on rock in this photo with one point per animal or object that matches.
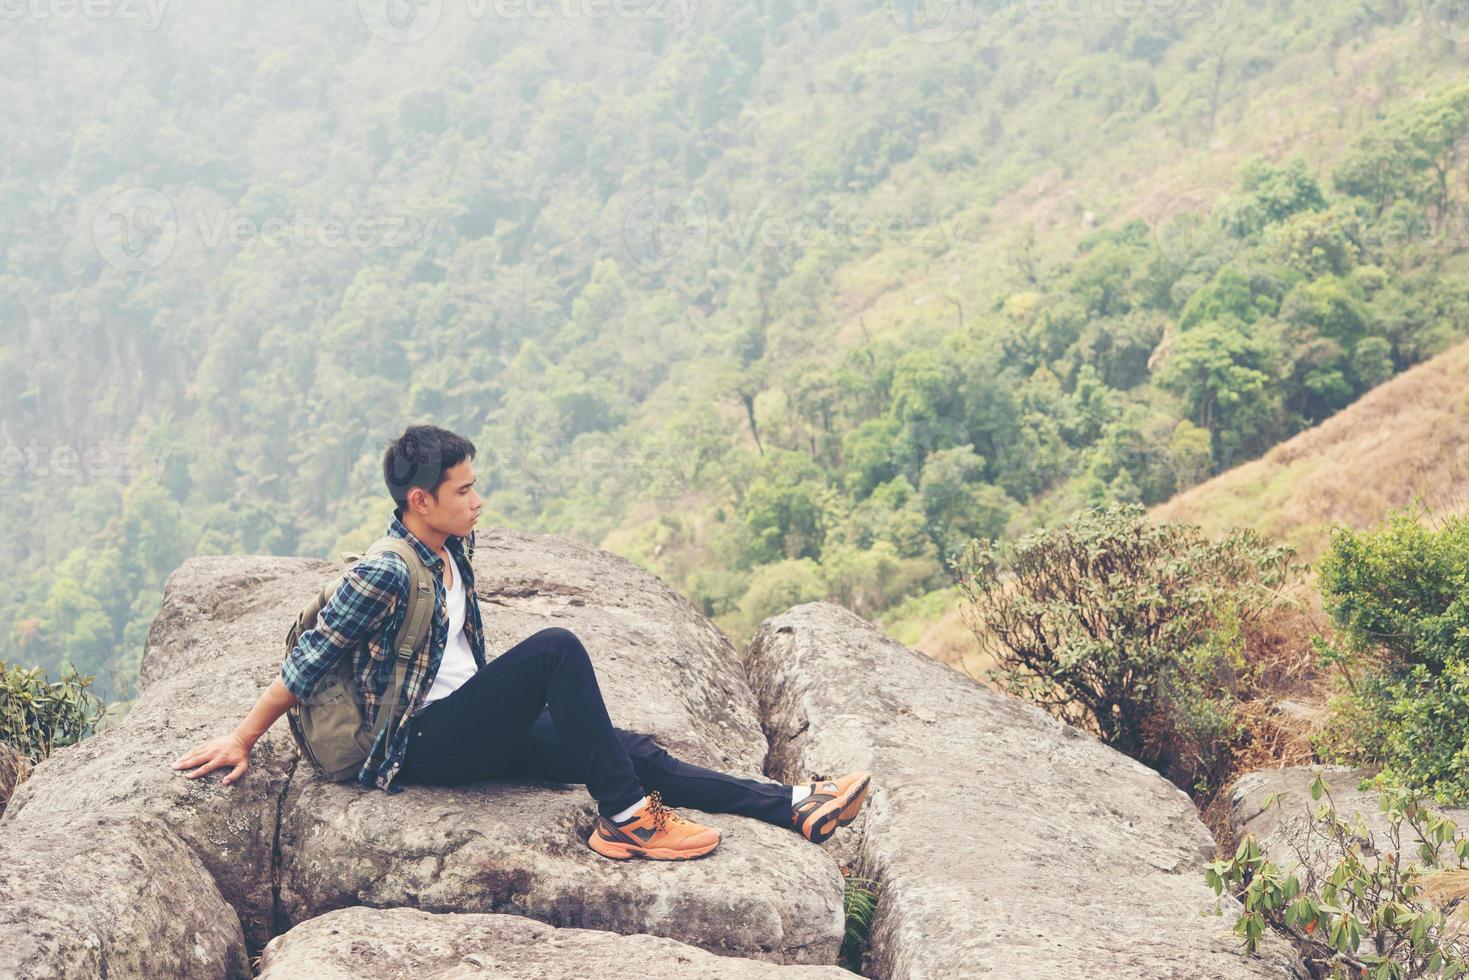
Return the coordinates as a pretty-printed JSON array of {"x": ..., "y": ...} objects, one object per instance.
[{"x": 534, "y": 712}]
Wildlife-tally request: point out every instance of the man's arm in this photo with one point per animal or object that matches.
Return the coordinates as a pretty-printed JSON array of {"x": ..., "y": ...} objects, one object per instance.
[{"x": 368, "y": 594}]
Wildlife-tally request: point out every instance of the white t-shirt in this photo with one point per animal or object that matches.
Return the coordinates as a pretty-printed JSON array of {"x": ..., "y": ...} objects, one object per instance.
[{"x": 458, "y": 664}]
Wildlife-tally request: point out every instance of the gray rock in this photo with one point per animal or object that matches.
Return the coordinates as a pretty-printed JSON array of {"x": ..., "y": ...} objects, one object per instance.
[
  {"x": 1281, "y": 829},
  {"x": 1004, "y": 842},
  {"x": 399, "y": 944},
  {"x": 217, "y": 643},
  {"x": 112, "y": 897},
  {"x": 512, "y": 846}
]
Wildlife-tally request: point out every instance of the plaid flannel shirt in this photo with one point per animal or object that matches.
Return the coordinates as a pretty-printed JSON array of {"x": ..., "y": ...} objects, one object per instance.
[{"x": 361, "y": 619}]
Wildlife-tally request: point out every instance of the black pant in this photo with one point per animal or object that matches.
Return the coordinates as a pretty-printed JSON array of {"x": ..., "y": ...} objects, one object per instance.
[{"x": 536, "y": 712}]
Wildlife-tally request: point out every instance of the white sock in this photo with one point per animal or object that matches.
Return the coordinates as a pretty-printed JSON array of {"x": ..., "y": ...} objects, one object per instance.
[
  {"x": 799, "y": 793},
  {"x": 619, "y": 817}
]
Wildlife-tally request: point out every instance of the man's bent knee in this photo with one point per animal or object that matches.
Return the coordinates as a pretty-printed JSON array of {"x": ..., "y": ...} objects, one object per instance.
[{"x": 562, "y": 640}]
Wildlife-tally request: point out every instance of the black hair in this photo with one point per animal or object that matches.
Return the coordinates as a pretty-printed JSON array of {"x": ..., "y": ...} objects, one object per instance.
[{"x": 420, "y": 457}]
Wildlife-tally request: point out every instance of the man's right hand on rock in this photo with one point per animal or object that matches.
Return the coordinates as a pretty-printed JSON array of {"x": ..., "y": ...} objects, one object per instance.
[{"x": 227, "y": 750}]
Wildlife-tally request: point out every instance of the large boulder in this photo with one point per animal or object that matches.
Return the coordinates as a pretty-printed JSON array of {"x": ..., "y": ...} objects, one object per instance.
[
  {"x": 519, "y": 847},
  {"x": 358, "y": 942},
  {"x": 215, "y": 645},
  {"x": 113, "y": 897},
  {"x": 1004, "y": 842},
  {"x": 283, "y": 845},
  {"x": 1283, "y": 829}
]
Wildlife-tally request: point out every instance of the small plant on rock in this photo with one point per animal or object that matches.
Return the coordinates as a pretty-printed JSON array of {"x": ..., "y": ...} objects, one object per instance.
[
  {"x": 38, "y": 716},
  {"x": 1359, "y": 905},
  {"x": 859, "y": 900}
]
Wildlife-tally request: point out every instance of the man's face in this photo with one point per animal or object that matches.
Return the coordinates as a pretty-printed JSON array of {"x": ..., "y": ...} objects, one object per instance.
[{"x": 458, "y": 506}]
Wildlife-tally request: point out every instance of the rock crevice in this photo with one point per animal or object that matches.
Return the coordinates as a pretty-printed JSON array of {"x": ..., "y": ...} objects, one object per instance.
[{"x": 1002, "y": 845}]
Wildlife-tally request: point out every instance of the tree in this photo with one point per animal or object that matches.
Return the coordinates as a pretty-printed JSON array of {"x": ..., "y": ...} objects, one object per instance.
[
  {"x": 1222, "y": 375},
  {"x": 1273, "y": 193},
  {"x": 788, "y": 508},
  {"x": 958, "y": 503},
  {"x": 776, "y": 587},
  {"x": 1413, "y": 155},
  {"x": 1123, "y": 627},
  {"x": 1398, "y": 595}
]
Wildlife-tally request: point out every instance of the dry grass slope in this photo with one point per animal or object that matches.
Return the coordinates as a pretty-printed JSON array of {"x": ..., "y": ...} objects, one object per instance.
[{"x": 1404, "y": 440}]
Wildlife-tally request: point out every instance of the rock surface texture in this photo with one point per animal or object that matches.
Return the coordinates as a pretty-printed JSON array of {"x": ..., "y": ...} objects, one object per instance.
[
  {"x": 112, "y": 897},
  {"x": 1281, "y": 828},
  {"x": 414, "y": 945},
  {"x": 1005, "y": 843},
  {"x": 283, "y": 845}
]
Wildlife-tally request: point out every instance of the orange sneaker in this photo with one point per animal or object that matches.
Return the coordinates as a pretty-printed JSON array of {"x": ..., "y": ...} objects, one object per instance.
[
  {"x": 654, "y": 831},
  {"x": 830, "y": 805}
]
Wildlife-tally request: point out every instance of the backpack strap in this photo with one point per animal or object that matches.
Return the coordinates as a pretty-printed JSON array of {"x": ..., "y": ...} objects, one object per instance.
[{"x": 416, "y": 626}]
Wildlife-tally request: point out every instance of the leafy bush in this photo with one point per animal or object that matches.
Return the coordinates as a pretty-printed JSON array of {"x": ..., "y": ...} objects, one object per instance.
[
  {"x": 1376, "y": 912},
  {"x": 1133, "y": 630},
  {"x": 39, "y": 716},
  {"x": 1399, "y": 597}
]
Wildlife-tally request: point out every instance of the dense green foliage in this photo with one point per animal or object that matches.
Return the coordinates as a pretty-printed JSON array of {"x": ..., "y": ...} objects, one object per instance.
[
  {"x": 38, "y": 716},
  {"x": 1129, "y": 629},
  {"x": 657, "y": 286},
  {"x": 1399, "y": 598}
]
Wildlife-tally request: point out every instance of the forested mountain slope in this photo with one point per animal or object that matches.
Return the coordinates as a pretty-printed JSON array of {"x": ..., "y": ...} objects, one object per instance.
[
  {"x": 1405, "y": 442},
  {"x": 784, "y": 300}
]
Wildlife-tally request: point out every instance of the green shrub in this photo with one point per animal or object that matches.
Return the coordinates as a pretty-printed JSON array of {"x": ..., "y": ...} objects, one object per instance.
[
  {"x": 1399, "y": 597},
  {"x": 859, "y": 901},
  {"x": 1378, "y": 911},
  {"x": 38, "y": 716},
  {"x": 1133, "y": 630}
]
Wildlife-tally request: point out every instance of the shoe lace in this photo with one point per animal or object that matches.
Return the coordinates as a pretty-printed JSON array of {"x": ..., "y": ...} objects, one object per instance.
[{"x": 662, "y": 815}]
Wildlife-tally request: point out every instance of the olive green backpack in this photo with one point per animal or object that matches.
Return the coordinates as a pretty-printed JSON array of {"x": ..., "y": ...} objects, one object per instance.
[{"x": 330, "y": 724}]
